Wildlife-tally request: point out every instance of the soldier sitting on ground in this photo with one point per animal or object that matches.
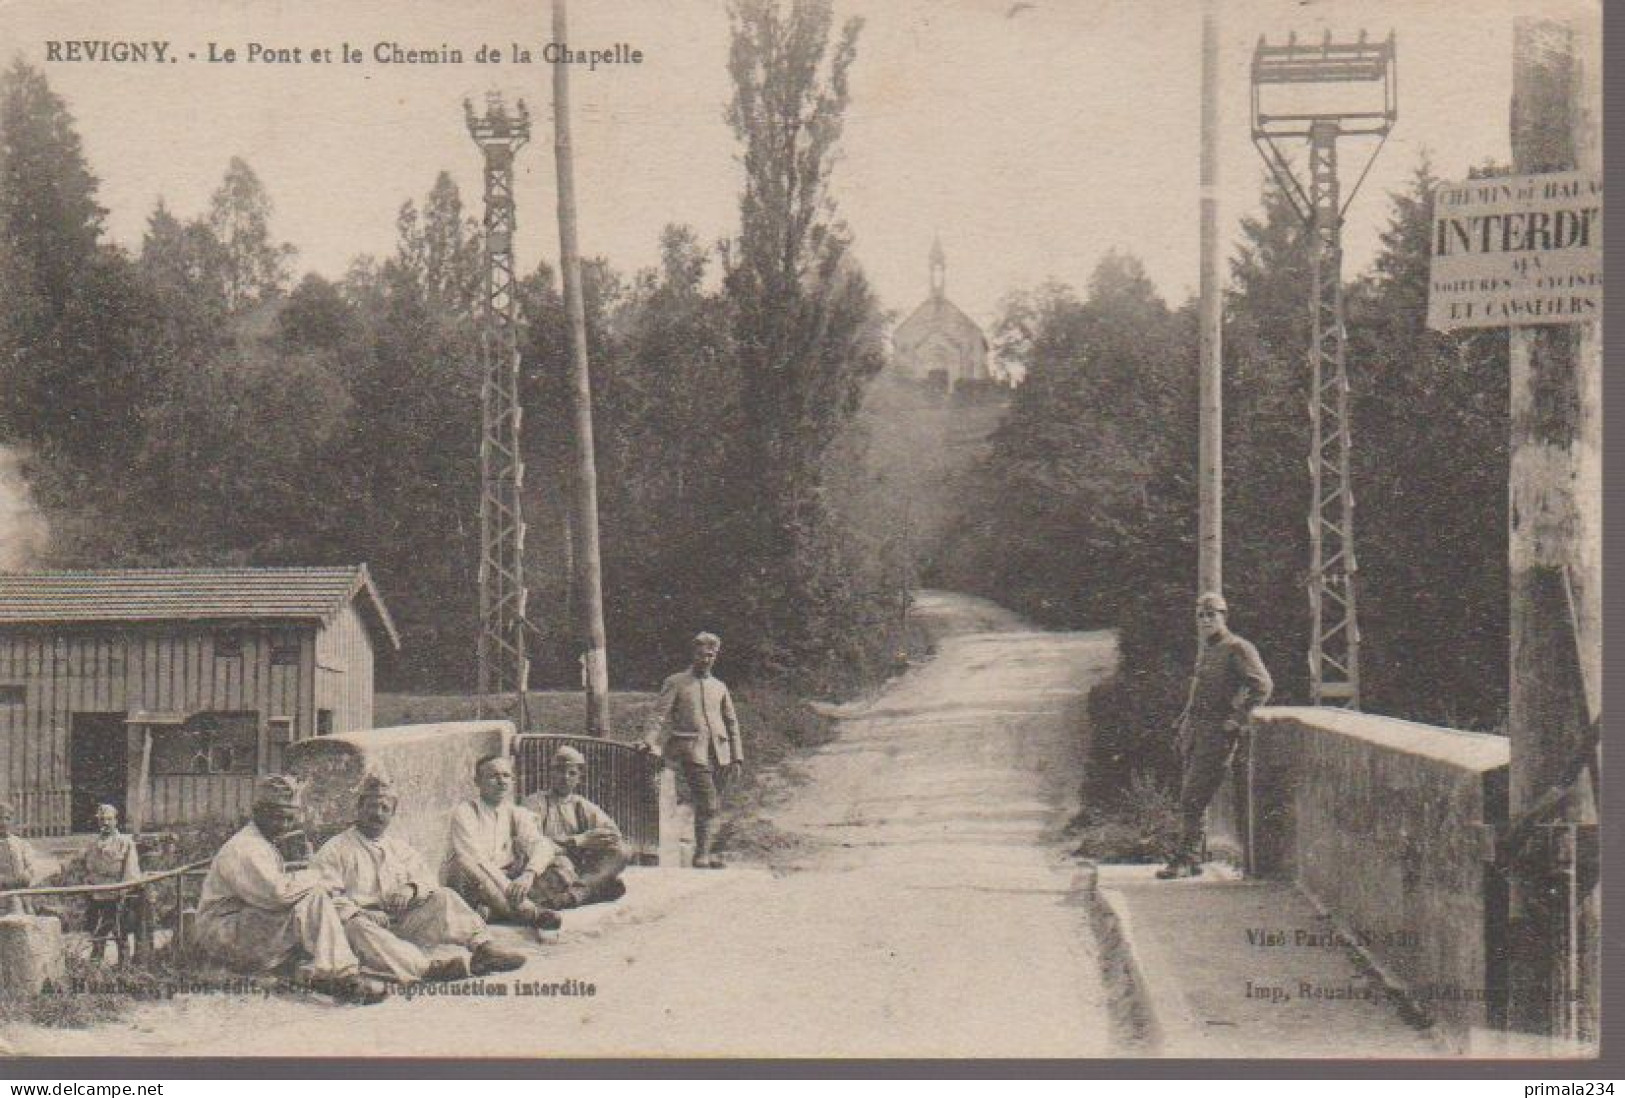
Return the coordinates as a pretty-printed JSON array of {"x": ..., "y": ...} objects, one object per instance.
[
  {"x": 498, "y": 855},
  {"x": 397, "y": 918},
  {"x": 257, "y": 916},
  {"x": 595, "y": 855}
]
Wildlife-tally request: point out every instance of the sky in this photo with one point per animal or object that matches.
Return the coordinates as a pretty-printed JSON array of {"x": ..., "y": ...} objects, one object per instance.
[{"x": 1033, "y": 136}]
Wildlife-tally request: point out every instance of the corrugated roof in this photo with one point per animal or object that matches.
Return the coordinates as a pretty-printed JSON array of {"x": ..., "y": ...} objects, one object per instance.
[{"x": 190, "y": 594}]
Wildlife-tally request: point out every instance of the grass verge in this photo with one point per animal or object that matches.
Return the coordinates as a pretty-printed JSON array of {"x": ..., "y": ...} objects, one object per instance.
[{"x": 1139, "y": 827}]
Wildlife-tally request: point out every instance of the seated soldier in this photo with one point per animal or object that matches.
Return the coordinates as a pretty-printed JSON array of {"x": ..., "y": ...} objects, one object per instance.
[
  {"x": 257, "y": 916},
  {"x": 111, "y": 858},
  {"x": 17, "y": 868},
  {"x": 498, "y": 854},
  {"x": 399, "y": 921},
  {"x": 595, "y": 856}
]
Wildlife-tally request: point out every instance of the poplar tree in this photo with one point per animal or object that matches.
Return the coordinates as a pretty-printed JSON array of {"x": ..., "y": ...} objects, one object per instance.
[{"x": 805, "y": 333}]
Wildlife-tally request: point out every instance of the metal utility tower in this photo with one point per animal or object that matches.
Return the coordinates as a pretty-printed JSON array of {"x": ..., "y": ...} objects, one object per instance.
[
  {"x": 503, "y": 666},
  {"x": 1334, "y": 652}
]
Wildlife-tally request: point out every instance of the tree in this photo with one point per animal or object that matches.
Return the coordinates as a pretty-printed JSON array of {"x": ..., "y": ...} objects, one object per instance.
[
  {"x": 665, "y": 391},
  {"x": 185, "y": 260},
  {"x": 1267, "y": 441},
  {"x": 253, "y": 268},
  {"x": 1433, "y": 527},
  {"x": 441, "y": 248},
  {"x": 74, "y": 376},
  {"x": 411, "y": 449},
  {"x": 48, "y": 209},
  {"x": 1066, "y": 489},
  {"x": 805, "y": 331}
]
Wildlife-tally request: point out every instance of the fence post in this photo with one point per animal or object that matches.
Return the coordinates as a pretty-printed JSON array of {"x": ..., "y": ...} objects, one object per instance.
[{"x": 671, "y": 839}]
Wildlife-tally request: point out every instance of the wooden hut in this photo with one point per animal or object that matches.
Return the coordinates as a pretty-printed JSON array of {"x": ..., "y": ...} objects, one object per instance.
[{"x": 167, "y": 691}]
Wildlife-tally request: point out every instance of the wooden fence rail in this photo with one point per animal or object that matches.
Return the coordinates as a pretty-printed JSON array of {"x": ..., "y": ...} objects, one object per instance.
[{"x": 146, "y": 886}]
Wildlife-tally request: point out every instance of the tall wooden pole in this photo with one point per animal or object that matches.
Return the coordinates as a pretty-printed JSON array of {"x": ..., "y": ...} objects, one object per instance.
[
  {"x": 1210, "y": 521},
  {"x": 1555, "y": 550},
  {"x": 589, "y": 572}
]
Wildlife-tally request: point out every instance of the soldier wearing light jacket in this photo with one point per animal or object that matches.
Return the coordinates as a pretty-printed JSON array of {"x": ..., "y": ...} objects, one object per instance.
[
  {"x": 398, "y": 919},
  {"x": 257, "y": 915},
  {"x": 594, "y": 853},
  {"x": 694, "y": 727},
  {"x": 498, "y": 855}
]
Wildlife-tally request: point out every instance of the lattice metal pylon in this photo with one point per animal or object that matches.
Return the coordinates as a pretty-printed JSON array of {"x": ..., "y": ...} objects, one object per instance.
[
  {"x": 1334, "y": 646},
  {"x": 504, "y": 667},
  {"x": 1334, "y": 655}
]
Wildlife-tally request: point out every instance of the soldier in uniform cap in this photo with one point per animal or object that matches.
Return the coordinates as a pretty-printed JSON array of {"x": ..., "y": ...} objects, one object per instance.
[
  {"x": 111, "y": 858},
  {"x": 397, "y": 917},
  {"x": 1230, "y": 680},
  {"x": 17, "y": 867},
  {"x": 257, "y": 916},
  {"x": 694, "y": 728},
  {"x": 595, "y": 855}
]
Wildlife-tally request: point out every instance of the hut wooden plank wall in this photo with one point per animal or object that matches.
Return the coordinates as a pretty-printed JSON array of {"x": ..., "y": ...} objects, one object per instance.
[
  {"x": 197, "y": 678},
  {"x": 344, "y": 660}
]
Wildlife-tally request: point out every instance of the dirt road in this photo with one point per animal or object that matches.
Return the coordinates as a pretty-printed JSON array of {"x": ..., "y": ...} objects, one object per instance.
[{"x": 928, "y": 913}]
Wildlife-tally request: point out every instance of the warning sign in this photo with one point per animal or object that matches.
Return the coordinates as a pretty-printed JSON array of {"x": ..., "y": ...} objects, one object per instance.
[{"x": 1516, "y": 250}]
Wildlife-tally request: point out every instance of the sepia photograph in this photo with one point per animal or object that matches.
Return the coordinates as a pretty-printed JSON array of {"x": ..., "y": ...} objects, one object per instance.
[{"x": 753, "y": 530}]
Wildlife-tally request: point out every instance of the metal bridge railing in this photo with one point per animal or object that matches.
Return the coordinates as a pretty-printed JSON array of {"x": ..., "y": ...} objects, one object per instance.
[{"x": 620, "y": 779}]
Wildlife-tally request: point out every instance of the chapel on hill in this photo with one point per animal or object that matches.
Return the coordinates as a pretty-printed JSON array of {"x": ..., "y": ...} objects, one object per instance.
[{"x": 938, "y": 339}]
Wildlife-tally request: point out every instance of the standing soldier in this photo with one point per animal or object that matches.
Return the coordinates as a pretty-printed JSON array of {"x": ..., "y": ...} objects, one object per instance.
[
  {"x": 693, "y": 727},
  {"x": 111, "y": 858},
  {"x": 17, "y": 869},
  {"x": 1230, "y": 680}
]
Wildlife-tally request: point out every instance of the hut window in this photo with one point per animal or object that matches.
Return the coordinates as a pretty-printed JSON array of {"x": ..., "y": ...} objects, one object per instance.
[
  {"x": 324, "y": 722},
  {"x": 285, "y": 650},
  {"x": 228, "y": 645},
  {"x": 13, "y": 693},
  {"x": 209, "y": 743}
]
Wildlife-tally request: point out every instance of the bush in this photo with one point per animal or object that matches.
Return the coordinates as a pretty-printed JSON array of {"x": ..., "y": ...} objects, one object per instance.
[
  {"x": 777, "y": 724},
  {"x": 79, "y": 1004},
  {"x": 1140, "y": 827}
]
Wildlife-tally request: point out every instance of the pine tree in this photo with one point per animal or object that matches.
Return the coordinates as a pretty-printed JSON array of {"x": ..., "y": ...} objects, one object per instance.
[
  {"x": 49, "y": 215},
  {"x": 74, "y": 374}
]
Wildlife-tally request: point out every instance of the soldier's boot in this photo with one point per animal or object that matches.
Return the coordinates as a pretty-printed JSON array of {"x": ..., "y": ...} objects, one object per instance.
[
  {"x": 446, "y": 969},
  {"x": 702, "y": 843},
  {"x": 489, "y": 957},
  {"x": 1182, "y": 863},
  {"x": 351, "y": 988},
  {"x": 542, "y": 918}
]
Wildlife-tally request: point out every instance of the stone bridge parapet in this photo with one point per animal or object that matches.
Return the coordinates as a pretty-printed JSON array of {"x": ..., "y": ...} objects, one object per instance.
[
  {"x": 431, "y": 766},
  {"x": 1386, "y": 826}
]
